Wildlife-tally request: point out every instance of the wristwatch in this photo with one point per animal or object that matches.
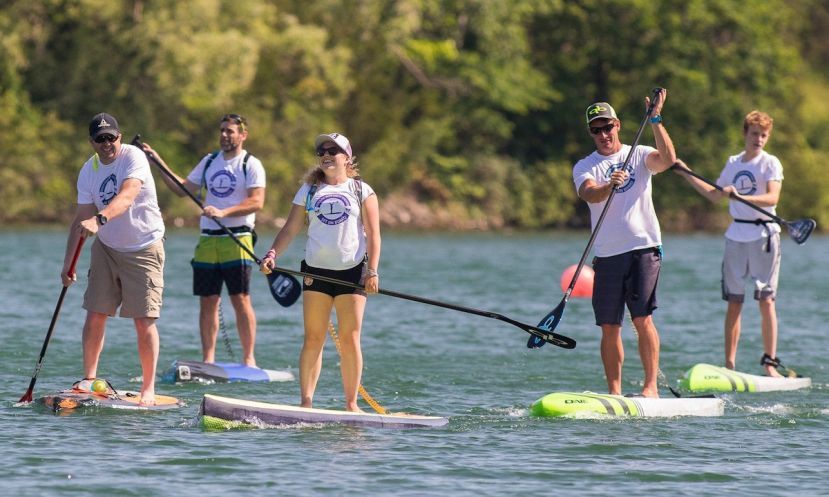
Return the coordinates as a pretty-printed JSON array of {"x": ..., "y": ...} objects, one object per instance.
[
  {"x": 656, "y": 119},
  {"x": 102, "y": 220}
]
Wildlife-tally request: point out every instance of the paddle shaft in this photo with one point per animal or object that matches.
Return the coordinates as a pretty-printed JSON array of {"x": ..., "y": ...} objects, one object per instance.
[
  {"x": 27, "y": 397},
  {"x": 137, "y": 142},
  {"x": 777, "y": 219},
  {"x": 554, "y": 338}
]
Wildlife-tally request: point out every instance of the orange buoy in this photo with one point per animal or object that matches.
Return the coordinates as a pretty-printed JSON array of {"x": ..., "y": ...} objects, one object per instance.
[{"x": 584, "y": 283}]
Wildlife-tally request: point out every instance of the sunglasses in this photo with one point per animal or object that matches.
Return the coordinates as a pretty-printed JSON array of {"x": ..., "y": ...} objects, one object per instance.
[
  {"x": 106, "y": 139},
  {"x": 235, "y": 118},
  {"x": 607, "y": 128},
  {"x": 332, "y": 151}
]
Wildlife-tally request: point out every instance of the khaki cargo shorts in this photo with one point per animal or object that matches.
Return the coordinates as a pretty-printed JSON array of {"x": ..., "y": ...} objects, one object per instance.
[{"x": 132, "y": 280}]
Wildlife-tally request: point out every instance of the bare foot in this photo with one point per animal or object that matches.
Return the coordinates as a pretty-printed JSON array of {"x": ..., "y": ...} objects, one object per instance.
[
  {"x": 354, "y": 408},
  {"x": 147, "y": 399},
  {"x": 650, "y": 394}
]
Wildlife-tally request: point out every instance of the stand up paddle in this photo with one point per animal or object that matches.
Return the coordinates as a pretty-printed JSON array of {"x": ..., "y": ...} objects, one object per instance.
[
  {"x": 284, "y": 288},
  {"x": 27, "y": 397},
  {"x": 551, "y": 320},
  {"x": 545, "y": 335},
  {"x": 799, "y": 229}
]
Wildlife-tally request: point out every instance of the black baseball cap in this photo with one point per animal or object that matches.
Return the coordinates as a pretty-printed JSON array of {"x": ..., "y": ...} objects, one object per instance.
[{"x": 103, "y": 124}]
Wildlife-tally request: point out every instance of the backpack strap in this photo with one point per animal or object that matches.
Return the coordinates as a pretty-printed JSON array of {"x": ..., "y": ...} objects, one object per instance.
[
  {"x": 245, "y": 165},
  {"x": 203, "y": 189},
  {"x": 308, "y": 199},
  {"x": 357, "y": 189}
]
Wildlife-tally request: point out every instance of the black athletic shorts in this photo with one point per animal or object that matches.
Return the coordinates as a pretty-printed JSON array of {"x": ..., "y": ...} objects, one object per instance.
[
  {"x": 353, "y": 275},
  {"x": 627, "y": 279}
]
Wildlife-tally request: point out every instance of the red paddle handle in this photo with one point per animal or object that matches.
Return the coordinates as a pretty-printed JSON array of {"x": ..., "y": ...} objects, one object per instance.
[{"x": 77, "y": 254}]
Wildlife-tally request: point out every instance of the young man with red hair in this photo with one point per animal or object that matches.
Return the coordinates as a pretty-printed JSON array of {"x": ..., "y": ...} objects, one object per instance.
[{"x": 752, "y": 241}]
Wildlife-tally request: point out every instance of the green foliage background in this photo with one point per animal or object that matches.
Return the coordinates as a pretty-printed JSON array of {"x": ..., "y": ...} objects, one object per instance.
[{"x": 469, "y": 107}]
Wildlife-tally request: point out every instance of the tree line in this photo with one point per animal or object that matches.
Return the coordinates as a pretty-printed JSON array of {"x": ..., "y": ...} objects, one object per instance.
[{"x": 467, "y": 112}]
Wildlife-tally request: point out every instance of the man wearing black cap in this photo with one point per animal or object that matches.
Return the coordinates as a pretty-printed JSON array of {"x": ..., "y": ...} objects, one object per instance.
[
  {"x": 628, "y": 245},
  {"x": 231, "y": 184},
  {"x": 117, "y": 202}
]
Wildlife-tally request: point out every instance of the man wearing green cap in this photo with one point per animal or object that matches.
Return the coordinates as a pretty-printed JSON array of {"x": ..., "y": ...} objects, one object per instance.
[{"x": 627, "y": 248}]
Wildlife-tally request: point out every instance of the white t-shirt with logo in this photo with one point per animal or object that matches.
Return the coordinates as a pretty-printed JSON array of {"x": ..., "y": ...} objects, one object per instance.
[
  {"x": 631, "y": 221},
  {"x": 227, "y": 185},
  {"x": 750, "y": 178},
  {"x": 98, "y": 183},
  {"x": 336, "y": 238}
]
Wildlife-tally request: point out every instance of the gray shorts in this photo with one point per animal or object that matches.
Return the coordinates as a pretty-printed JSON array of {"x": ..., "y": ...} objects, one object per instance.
[
  {"x": 627, "y": 279},
  {"x": 758, "y": 260}
]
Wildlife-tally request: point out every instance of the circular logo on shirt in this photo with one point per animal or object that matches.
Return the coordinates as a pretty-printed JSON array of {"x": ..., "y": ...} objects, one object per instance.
[
  {"x": 627, "y": 185},
  {"x": 745, "y": 183},
  {"x": 222, "y": 184},
  {"x": 108, "y": 189},
  {"x": 332, "y": 208}
]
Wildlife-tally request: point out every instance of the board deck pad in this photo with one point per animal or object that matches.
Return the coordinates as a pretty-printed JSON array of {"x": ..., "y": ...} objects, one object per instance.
[
  {"x": 709, "y": 378},
  {"x": 75, "y": 400},
  {"x": 182, "y": 371},
  {"x": 586, "y": 404},
  {"x": 224, "y": 413}
]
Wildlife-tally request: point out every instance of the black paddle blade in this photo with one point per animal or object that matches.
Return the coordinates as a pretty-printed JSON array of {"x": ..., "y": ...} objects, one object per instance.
[
  {"x": 546, "y": 336},
  {"x": 801, "y": 229},
  {"x": 284, "y": 288},
  {"x": 547, "y": 323}
]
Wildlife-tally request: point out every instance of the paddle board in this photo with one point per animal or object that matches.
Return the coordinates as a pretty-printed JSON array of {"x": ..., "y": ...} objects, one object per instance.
[
  {"x": 574, "y": 404},
  {"x": 75, "y": 400},
  {"x": 224, "y": 413},
  {"x": 710, "y": 378},
  {"x": 219, "y": 372}
]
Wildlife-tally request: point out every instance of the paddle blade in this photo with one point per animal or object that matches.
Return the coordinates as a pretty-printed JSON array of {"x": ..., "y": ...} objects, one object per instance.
[
  {"x": 801, "y": 229},
  {"x": 284, "y": 288},
  {"x": 27, "y": 397},
  {"x": 552, "y": 337},
  {"x": 547, "y": 323}
]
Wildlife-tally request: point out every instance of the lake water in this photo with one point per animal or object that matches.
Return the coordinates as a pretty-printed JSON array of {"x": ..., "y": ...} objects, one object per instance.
[{"x": 474, "y": 370}]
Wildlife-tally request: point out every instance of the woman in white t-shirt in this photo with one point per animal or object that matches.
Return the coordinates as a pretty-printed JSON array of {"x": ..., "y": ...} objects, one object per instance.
[{"x": 344, "y": 244}]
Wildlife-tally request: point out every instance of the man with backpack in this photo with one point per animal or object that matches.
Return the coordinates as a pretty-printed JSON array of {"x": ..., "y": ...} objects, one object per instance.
[{"x": 231, "y": 184}]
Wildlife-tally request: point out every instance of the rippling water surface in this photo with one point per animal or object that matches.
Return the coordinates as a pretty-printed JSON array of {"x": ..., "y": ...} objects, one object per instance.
[{"x": 429, "y": 360}]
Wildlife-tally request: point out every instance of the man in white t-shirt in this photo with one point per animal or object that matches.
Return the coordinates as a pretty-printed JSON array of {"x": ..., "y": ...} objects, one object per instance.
[
  {"x": 627, "y": 248},
  {"x": 231, "y": 185},
  {"x": 117, "y": 202},
  {"x": 752, "y": 241}
]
